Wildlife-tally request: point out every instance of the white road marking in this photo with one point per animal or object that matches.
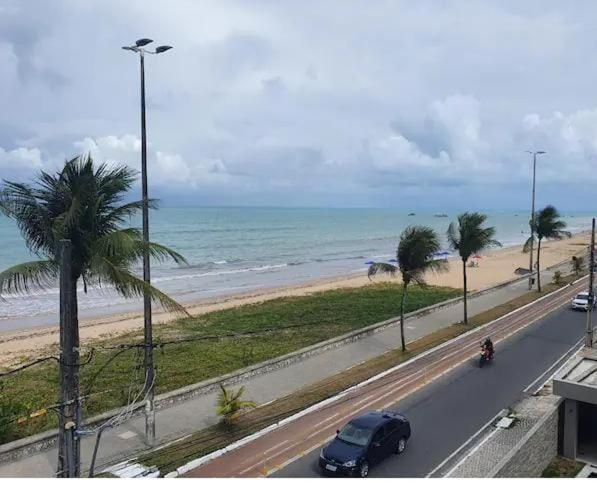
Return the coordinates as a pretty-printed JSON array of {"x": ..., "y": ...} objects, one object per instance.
[
  {"x": 575, "y": 348},
  {"x": 472, "y": 452},
  {"x": 483, "y": 428},
  {"x": 325, "y": 420},
  {"x": 127, "y": 435}
]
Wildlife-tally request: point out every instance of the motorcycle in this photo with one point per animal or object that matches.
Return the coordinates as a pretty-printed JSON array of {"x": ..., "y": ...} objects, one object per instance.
[{"x": 486, "y": 356}]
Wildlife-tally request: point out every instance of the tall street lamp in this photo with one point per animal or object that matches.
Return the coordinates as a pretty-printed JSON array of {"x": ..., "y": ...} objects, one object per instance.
[
  {"x": 535, "y": 154},
  {"x": 139, "y": 48}
]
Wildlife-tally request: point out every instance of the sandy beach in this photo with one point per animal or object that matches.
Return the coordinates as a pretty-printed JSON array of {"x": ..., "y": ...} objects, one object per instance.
[{"x": 494, "y": 267}]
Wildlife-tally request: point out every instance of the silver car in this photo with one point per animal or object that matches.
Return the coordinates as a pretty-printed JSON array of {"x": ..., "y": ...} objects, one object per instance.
[{"x": 581, "y": 301}]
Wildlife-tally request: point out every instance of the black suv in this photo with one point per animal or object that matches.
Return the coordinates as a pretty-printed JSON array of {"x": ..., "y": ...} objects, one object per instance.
[{"x": 363, "y": 442}]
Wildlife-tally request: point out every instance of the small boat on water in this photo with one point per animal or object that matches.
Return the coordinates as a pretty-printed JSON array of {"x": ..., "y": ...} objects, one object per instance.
[
  {"x": 411, "y": 214},
  {"x": 441, "y": 215}
]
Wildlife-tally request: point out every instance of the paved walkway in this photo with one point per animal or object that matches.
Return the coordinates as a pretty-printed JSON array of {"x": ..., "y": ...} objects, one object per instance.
[{"x": 197, "y": 413}]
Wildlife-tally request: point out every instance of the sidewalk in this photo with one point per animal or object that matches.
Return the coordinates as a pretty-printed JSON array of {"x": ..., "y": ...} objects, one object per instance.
[{"x": 192, "y": 415}]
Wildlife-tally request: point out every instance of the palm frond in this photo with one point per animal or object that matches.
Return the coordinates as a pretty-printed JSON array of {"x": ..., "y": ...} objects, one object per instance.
[
  {"x": 416, "y": 250},
  {"x": 24, "y": 277},
  {"x": 470, "y": 236},
  {"x": 127, "y": 245},
  {"x": 376, "y": 268},
  {"x": 526, "y": 248},
  {"x": 83, "y": 203},
  {"x": 129, "y": 285},
  {"x": 548, "y": 224},
  {"x": 121, "y": 213}
]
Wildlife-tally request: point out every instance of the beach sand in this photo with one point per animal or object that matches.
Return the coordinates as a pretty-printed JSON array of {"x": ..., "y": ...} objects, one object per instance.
[{"x": 494, "y": 267}]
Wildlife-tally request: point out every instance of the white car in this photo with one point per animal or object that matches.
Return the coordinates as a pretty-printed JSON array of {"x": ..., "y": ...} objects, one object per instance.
[{"x": 581, "y": 301}]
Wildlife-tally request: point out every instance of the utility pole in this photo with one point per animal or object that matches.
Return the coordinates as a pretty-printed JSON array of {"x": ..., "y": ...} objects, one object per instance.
[
  {"x": 589, "y": 338},
  {"x": 69, "y": 455},
  {"x": 531, "y": 268},
  {"x": 147, "y": 322}
]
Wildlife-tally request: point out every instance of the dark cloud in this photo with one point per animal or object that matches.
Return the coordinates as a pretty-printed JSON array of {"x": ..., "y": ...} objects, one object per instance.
[{"x": 309, "y": 102}]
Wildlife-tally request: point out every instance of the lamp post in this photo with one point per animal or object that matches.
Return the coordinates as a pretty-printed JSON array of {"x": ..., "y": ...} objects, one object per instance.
[
  {"x": 534, "y": 153},
  {"x": 139, "y": 48}
]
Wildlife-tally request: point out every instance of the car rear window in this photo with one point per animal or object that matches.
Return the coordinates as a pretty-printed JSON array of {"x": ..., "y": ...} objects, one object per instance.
[{"x": 355, "y": 435}]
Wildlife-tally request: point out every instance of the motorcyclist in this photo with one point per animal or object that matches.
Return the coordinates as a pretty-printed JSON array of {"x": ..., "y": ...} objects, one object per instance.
[{"x": 488, "y": 346}]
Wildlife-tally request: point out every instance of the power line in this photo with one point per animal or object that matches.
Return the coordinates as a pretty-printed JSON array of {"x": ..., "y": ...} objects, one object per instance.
[{"x": 45, "y": 359}]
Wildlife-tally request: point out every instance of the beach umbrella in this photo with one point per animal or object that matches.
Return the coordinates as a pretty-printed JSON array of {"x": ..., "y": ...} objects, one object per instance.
[
  {"x": 393, "y": 260},
  {"x": 477, "y": 256},
  {"x": 369, "y": 263}
]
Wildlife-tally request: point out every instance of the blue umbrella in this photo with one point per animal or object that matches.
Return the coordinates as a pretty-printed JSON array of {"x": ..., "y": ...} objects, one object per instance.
[
  {"x": 369, "y": 263},
  {"x": 393, "y": 260}
]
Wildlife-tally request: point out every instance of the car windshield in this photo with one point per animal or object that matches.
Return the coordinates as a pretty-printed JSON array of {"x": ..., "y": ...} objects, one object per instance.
[
  {"x": 355, "y": 435},
  {"x": 582, "y": 296}
]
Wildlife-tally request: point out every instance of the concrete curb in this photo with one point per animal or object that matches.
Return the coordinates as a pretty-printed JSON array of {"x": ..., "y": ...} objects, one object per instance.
[{"x": 32, "y": 444}]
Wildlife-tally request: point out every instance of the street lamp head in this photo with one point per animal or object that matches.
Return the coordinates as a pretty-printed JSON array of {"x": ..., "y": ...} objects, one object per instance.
[
  {"x": 143, "y": 42},
  {"x": 162, "y": 48},
  {"x": 134, "y": 49},
  {"x": 541, "y": 152}
]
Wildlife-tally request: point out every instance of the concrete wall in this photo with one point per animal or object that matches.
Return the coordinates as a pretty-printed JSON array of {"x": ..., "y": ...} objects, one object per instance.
[{"x": 534, "y": 452}]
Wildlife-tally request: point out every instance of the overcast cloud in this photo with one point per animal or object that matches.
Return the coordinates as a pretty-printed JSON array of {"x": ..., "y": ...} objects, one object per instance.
[{"x": 341, "y": 103}]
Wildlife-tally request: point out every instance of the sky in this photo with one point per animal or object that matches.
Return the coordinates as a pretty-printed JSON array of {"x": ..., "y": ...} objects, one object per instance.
[{"x": 404, "y": 104}]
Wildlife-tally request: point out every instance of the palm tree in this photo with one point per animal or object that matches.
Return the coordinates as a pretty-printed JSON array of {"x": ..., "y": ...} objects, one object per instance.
[
  {"x": 468, "y": 238},
  {"x": 230, "y": 404},
  {"x": 415, "y": 257},
  {"x": 549, "y": 226},
  {"x": 578, "y": 265},
  {"x": 82, "y": 203}
]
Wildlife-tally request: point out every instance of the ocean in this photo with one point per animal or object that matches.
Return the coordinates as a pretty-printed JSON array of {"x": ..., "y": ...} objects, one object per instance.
[{"x": 234, "y": 250}]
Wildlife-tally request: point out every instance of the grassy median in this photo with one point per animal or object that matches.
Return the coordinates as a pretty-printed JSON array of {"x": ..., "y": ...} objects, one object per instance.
[{"x": 276, "y": 327}]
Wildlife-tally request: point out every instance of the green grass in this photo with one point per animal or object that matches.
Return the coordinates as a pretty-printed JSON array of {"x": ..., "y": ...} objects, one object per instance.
[
  {"x": 562, "y": 468},
  {"x": 321, "y": 316}
]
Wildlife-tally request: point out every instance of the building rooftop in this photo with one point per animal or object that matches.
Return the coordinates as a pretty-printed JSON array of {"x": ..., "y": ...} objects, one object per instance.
[{"x": 578, "y": 378}]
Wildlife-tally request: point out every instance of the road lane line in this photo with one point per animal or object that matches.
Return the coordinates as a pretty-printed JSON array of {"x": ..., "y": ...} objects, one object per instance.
[
  {"x": 472, "y": 452},
  {"x": 575, "y": 348},
  {"x": 325, "y": 420},
  {"x": 275, "y": 447},
  {"x": 297, "y": 457},
  {"x": 463, "y": 445}
]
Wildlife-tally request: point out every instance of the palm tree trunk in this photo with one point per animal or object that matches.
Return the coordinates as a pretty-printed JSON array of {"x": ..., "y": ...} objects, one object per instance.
[
  {"x": 404, "y": 287},
  {"x": 464, "y": 293},
  {"x": 69, "y": 459},
  {"x": 538, "y": 266}
]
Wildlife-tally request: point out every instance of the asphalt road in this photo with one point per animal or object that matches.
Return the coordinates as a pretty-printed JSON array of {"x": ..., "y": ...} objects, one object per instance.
[{"x": 446, "y": 413}]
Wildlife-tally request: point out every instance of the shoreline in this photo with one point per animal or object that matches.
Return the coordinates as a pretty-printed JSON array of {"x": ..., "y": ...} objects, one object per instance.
[{"x": 495, "y": 266}]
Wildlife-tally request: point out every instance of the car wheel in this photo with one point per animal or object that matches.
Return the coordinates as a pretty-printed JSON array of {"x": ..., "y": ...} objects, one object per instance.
[
  {"x": 364, "y": 469},
  {"x": 401, "y": 446}
]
